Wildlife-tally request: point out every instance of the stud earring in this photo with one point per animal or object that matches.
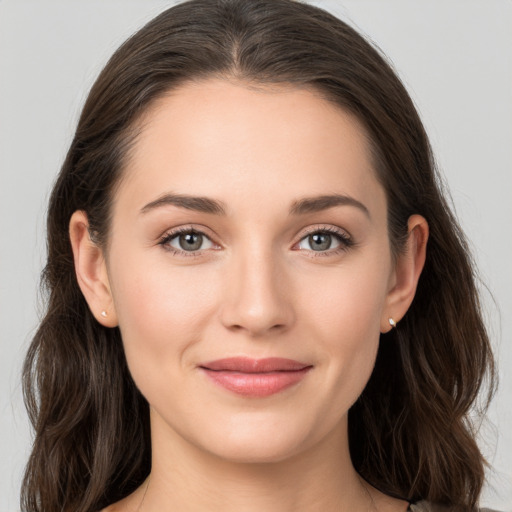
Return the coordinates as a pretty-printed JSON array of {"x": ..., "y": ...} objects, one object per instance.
[
  {"x": 104, "y": 314},
  {"x": 392, "y": 323}
]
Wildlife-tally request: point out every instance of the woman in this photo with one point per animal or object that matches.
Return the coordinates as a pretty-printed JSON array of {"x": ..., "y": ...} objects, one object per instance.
[{"x": 258, "y": 296}]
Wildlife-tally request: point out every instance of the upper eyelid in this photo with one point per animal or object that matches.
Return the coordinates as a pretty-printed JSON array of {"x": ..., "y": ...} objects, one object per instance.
[
  {"x": 196, "y": 228},
  {"x": 328, "y": 228},
  {"x": 335, "y": 230}
]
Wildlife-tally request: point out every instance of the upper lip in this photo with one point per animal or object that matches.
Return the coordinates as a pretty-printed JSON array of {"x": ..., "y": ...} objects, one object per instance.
[{"x": 249, "y": 365}]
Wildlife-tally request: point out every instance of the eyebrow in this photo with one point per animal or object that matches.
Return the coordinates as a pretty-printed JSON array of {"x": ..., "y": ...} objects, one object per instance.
[
  {"x": 199, "y": 204},
  {"x": 212, "y": 206},
  {"x": 320, "y": 203}
]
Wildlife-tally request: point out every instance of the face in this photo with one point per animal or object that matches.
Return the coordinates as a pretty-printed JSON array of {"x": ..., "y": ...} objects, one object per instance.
[{"x": 250, "y": 268}]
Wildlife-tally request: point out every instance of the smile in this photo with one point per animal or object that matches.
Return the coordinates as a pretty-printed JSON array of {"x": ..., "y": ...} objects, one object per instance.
[{"x": 255, "y": 377}]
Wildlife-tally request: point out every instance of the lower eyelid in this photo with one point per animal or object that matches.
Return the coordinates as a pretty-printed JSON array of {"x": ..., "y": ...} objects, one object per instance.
[{"x": 331, "y": 252}]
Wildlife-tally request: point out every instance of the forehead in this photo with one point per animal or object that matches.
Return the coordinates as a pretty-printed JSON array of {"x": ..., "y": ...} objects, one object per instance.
[{"x": 217, "y": 137}]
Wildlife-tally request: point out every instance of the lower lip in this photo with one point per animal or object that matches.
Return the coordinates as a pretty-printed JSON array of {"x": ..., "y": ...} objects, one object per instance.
[{"x": 256, "y": 384}]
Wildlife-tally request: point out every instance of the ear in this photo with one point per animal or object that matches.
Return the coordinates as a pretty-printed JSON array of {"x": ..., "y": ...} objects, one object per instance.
[
  {"x": 91, "y": 270},
  {"x": 405, "y": 276}
]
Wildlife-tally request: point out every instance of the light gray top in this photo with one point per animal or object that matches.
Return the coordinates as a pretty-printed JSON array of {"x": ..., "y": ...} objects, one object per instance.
[{"x": 424, "y": 506}]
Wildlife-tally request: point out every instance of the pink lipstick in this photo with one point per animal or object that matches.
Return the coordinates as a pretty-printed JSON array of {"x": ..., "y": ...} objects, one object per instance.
[{"x": 255, "y": 377}]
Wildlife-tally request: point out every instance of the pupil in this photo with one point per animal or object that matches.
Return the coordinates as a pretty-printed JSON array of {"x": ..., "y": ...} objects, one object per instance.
[
  {"x": 191, "y": 241},
  {"x": 320, "y": 241}
]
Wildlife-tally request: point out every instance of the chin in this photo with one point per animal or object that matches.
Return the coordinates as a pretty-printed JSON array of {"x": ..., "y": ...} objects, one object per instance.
[
  {"x": 256, "y": 452},
  {"x": 257, "y": 442}
]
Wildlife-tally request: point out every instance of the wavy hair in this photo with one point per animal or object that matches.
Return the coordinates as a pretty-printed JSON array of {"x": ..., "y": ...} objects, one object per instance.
[{"x": 409, "y": 432}]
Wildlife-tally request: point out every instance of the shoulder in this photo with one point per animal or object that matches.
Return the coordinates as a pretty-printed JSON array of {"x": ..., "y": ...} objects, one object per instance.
[{"x": 425, "y": 506}]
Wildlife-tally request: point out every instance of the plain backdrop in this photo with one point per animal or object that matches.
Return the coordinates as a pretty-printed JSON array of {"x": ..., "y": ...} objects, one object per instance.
[{"x": 455, "y": 58}]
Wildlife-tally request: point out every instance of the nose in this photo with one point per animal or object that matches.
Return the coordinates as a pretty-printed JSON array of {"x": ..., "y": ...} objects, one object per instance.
[{"x": 257, "y": 297}]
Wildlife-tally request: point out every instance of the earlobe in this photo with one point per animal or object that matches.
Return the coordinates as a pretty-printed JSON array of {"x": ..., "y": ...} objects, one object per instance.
[
  {"x": 406, "y": 274},
  {"x": 91, "y": 270}
]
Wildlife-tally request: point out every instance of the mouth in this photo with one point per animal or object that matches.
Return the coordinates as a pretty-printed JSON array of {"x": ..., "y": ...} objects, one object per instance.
[{"x": 255, "y": 377}]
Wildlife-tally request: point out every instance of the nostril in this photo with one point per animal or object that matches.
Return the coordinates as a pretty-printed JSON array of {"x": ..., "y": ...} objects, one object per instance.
[{"x": 257, "y": 305}]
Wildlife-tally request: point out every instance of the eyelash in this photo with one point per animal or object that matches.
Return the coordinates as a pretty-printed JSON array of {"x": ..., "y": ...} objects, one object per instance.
[{"x": 343, "y": 238}]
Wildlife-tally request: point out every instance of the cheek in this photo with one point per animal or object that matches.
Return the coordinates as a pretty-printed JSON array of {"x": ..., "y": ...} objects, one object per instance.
[
  {"x": 344, "y": 316},
  {"x": 348, "y": 303},
  {"x": 161, "y": 312}
]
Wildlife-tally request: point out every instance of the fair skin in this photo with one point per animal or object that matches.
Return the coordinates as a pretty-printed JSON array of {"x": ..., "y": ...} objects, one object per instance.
[{"x": 271, "y": 272}]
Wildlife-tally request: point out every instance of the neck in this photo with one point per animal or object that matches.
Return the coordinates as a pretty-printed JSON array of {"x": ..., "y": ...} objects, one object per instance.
[{"x": 321, "y": 478}]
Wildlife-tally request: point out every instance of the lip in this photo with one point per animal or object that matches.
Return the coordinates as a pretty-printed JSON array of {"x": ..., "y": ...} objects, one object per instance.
[{"x": 255, "y": 377}]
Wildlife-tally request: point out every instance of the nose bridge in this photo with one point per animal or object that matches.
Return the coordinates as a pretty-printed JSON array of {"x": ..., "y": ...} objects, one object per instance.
[{"x": 257, "y": 296}]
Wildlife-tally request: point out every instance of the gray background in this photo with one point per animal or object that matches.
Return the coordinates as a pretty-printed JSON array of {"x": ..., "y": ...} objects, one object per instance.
[{"x": 456, "y": 60}]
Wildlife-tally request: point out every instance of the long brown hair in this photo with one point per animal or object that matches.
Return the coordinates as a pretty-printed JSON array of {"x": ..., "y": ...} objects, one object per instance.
[{"x": 409, "y": 431}]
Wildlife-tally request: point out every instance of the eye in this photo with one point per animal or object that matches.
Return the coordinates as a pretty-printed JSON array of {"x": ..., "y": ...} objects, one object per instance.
[
  {"x": 323, "y": 240},
  {"x": 187, "y": 241}
]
